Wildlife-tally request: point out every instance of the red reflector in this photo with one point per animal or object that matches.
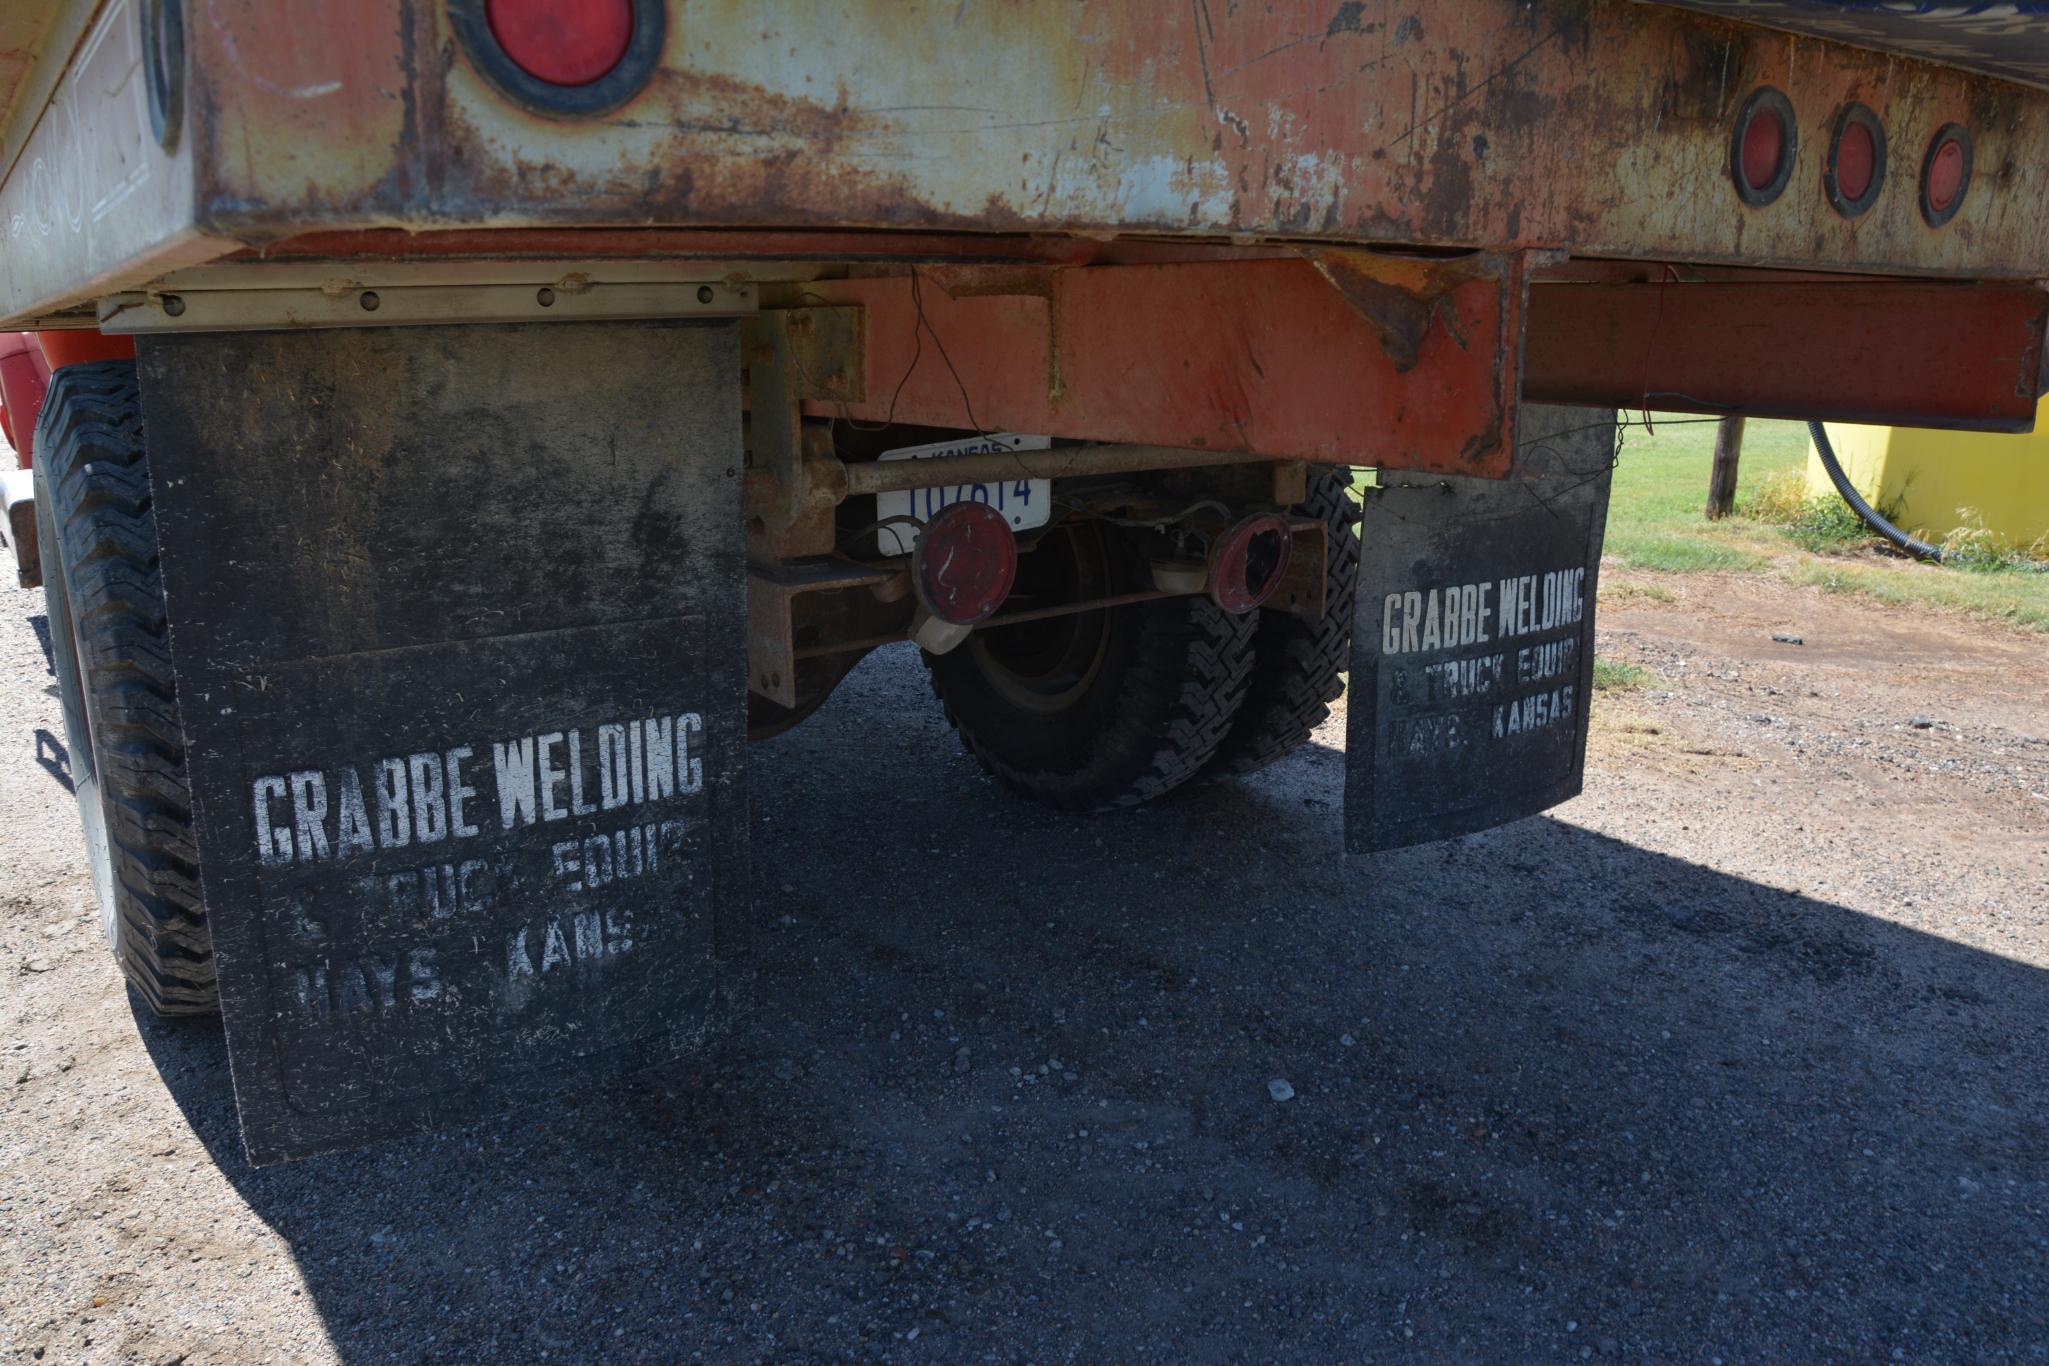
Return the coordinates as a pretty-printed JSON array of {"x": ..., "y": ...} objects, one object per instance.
[
  {"x": 965, "y": 563},
  {"x": 1946, "y": 176},
  {"x": 1764, "y": 143},
  {"x": 1247, "y": 563},
  {"x": 562, "y": 42},
  {"x": 1856, "y": 161}
]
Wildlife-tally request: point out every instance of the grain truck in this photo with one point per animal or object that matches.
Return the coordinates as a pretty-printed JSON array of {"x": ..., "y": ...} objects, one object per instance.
[{"x": 466, "y": 424}]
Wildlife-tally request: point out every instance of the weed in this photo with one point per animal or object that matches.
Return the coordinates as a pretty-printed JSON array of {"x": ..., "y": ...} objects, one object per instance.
[
  {"x": 1828, "y": 526},
  {"x": 1629, "y": 590},
  {"x": 1614, "y": 675},
  {"x": 1780, "y": 499}
]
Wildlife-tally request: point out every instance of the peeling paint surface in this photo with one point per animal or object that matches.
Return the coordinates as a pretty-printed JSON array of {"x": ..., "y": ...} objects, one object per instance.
[
  {"x": 1599, "y": 128},
  {"x": 1592, "y": 126}
]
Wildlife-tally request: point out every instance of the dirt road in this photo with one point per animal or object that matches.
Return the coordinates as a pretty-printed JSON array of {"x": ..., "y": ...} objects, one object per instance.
[{"x": 1743, "y": 1055}]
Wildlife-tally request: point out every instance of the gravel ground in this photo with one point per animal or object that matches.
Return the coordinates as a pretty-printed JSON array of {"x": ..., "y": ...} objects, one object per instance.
[{"x": 1740, "y": 1056}]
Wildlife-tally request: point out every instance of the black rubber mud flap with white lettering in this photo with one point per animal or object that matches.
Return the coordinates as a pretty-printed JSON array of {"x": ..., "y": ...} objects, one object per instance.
[
  {"x": 457, "y": 619},
  {"x": 1473, "y": 648}
]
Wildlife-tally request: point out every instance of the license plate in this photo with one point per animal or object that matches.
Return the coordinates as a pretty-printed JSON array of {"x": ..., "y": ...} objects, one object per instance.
[{"x": 1024, "y": 503}]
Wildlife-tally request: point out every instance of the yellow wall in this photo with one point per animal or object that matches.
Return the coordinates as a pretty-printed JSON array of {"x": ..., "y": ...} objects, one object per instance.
[{"x": 1939, "y": 481}]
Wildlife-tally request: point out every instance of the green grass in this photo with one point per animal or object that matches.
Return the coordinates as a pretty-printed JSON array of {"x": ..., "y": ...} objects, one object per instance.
[
  {"x": 1655, "y": 513},
  {"x": 1613, "y": 675},
  {"x": 1656, "y": 521},
  {"x": 1679, "y": 553},
  {"x": 1821, "y": 526},
  {"x": 2009, "y": 597}
]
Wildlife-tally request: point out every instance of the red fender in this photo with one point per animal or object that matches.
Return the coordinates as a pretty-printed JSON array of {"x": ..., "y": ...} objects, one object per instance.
[{"x": 26, "y": 360}]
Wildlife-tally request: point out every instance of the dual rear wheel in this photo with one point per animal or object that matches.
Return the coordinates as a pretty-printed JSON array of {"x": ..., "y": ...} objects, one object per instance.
[{"x": 1115, "y": 707}]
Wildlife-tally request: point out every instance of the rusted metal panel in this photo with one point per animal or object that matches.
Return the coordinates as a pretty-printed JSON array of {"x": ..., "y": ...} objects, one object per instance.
[
  {"x": 1913, "y": 354},
  {"x": 772, "y": 589},
  {"x": 1305, "y": 589},
  {"x": 1600, "y": 127},
  {"x": 890, "y": 476},
  {"x": 791, "y": 355},
  {"x": 1258, "y": 356}
]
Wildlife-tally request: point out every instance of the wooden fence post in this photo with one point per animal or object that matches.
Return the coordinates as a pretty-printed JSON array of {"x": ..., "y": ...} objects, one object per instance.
[{"x": 1722, "y": 483}]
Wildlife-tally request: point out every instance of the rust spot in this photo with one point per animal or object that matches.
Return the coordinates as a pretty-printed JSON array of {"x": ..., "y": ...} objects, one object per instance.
[
  {"x": 1402, "y": 296},
  {"x": 1252, "y": 123}
]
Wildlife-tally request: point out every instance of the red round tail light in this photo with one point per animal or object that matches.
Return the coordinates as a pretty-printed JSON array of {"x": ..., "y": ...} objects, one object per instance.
[
  {"x": 563, "y": 57},
  {"x": 1945, "y": 174},
  {"x": 562, "y": 42},
  {"x": 965, "y": 563},
  {"x": 1248, "y": 562},
  {"x": 1856, "y": 161},
  {"x": 1763, "y": 147}
]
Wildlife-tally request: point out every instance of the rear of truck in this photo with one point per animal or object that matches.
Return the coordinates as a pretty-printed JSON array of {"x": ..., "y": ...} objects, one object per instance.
[{"x": 533, "y": 401}]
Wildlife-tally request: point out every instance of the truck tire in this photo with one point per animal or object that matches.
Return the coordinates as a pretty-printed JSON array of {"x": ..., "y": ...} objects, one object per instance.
[
  {"x": 1297, "y": 663},
  {"x": 112, "y": 656},
  {"x": 1100, "y": 709}
]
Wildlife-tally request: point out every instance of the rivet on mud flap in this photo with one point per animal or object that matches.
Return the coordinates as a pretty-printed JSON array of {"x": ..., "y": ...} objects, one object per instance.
[
  {"x": 1473, "y": 644},
  {"x": 465, "y": 720}
]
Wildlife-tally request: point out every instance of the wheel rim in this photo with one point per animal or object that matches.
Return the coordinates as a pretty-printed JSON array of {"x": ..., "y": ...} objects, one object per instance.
[{"x": 1046, "y": 666}]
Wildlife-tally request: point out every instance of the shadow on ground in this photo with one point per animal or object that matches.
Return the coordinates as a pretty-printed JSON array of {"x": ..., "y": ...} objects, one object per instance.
[{"x": 1007, "y": 1085}]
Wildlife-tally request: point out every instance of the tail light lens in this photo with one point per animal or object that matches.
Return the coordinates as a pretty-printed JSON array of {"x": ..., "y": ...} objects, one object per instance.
[
  {"x": 1856, "y": 161},
  {"x": 1248, "y": 562},
  {"x": 563, "y": 57},
  {"x": 1763, "y": 147},
  {"x": 965, "y": 563},
  {"x": 562, "y": 42},
  {"x": 1945, "y": 174}
]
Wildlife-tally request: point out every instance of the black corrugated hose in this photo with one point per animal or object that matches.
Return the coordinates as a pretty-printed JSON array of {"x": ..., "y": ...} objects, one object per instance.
[{"x": 1871, "y": 516}]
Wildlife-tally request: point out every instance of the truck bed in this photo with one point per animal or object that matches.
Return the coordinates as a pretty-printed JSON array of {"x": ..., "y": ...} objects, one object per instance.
[{"x": 1599, "y": 130}]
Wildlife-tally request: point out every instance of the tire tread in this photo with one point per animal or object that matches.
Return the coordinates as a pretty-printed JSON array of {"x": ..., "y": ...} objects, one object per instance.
[
  {"x": 1298, "y": 665},
  {"x": 96, "y": 476},
  {"x": 1191, "y": 668}
]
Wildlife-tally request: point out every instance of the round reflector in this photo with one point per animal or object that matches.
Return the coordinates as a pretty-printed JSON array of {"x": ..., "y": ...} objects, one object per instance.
[
  {"x": 965, "y": 563},
  {"x": 562, "y": 42},
  {"x": 1247, "y": 563},
  {"x": 1763, "y": 147},
  {"x": 1856, "y": 161},
  {"x": 1945, "y": 174},
  {"x": 563, "y": 56}
]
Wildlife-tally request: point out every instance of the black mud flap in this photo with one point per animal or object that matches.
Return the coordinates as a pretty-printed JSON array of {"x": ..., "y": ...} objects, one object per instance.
[
  {"x": 457, "y": 615},
  {"x": 1473, "y": 650}
]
